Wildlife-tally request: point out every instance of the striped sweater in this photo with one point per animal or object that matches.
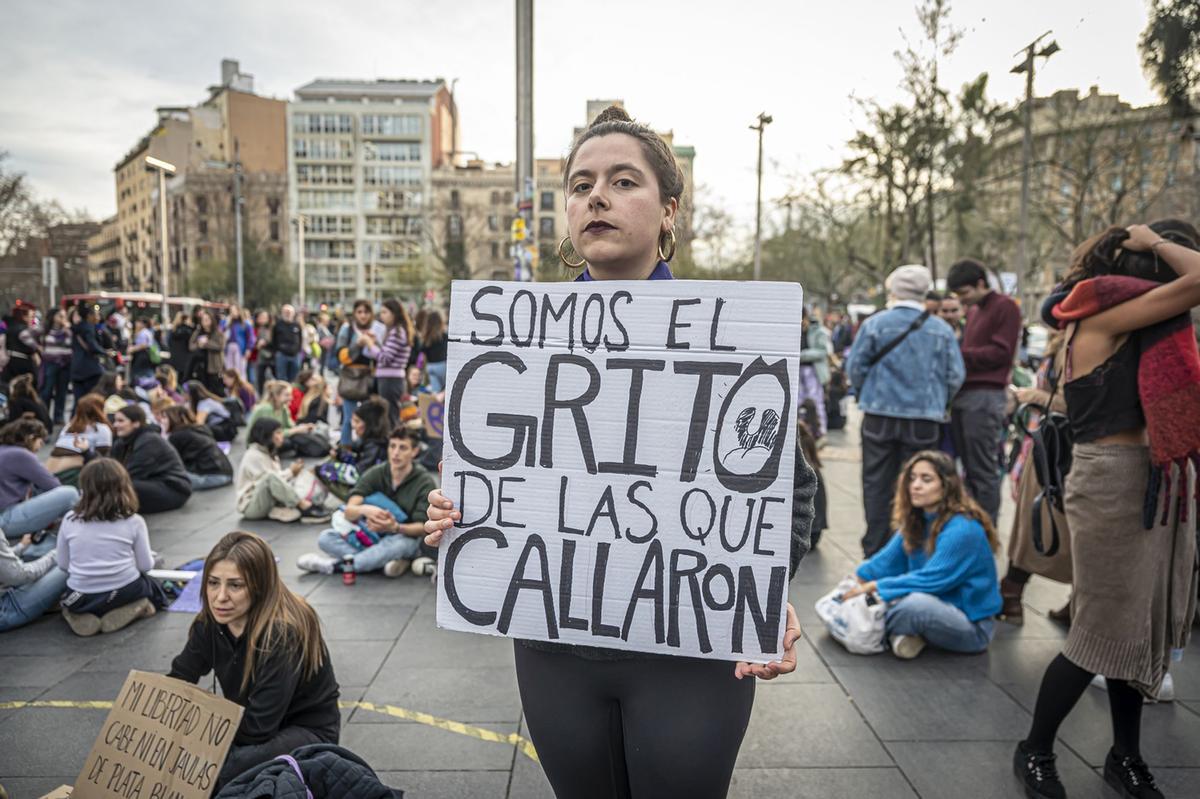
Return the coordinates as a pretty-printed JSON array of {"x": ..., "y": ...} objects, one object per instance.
[{"x": 391, "y": 357}]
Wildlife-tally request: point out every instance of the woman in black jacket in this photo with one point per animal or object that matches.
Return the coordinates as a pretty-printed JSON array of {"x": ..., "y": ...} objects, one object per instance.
[
  {"x": 178, "y": 344},
  {"x": 23, "y": 399},
  {"x": 206, "y": 465},
  {"x": 263, "y": 644},
  {"x": 86, "y": 352},
  {"x": 158, "y": 475}
]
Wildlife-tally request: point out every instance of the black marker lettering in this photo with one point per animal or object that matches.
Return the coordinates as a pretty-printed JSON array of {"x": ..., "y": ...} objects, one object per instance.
[
  {"x": 476, "y": 617},
  {"x": 637, "y": 368},
  {"x": 487, "y": 317},
  {"x": 672, "y": 344}
]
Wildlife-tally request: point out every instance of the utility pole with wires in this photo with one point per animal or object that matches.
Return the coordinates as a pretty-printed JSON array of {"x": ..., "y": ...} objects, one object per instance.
[
  {"x": 1030, "y": 52},
  {"x": 764, "y": 119}
]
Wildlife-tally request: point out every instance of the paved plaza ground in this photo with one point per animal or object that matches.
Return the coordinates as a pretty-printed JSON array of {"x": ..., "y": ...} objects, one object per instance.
[{"x": 840, "y": 726}]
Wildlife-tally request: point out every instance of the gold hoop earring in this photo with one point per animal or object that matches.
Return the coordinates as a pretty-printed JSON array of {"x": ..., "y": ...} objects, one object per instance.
[
  {"x": 662, "y": 255},
  {"x": 563, "y": 258}
]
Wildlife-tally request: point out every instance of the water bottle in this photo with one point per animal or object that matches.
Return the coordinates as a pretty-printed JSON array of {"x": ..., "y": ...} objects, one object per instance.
[{"x": 348, "y": 575}]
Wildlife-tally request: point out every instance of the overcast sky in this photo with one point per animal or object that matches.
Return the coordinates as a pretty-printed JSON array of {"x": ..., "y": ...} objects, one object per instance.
[{"x": 80, "y": 79}]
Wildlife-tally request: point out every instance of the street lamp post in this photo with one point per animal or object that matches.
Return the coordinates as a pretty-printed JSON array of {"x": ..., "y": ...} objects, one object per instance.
[
  {"x": 300, "y": 220},
  {"x": 163, "y": 169},
  {"x": 763, "y": 120},
  {"x": 1030, "y": 52}
]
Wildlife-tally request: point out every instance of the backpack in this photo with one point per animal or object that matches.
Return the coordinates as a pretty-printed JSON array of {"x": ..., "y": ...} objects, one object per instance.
[{"x": 236, "y": 412}]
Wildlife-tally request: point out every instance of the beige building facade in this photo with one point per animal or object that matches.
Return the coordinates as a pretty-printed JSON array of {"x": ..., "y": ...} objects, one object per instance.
[{"x": 104, "y": 257}]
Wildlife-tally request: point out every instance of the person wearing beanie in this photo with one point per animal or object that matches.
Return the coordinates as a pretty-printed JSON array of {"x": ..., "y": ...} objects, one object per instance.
[{"x": 905, "y": 366}]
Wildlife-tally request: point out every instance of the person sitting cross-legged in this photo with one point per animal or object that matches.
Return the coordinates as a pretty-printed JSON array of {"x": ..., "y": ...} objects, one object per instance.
[
  {"x": 387, "y": 503},
  {"x": 937, "y": 571}
]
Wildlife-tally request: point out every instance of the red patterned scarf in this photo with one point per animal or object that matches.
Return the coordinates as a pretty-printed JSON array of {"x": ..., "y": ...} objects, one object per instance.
[{"x": 1168, "y": 382}]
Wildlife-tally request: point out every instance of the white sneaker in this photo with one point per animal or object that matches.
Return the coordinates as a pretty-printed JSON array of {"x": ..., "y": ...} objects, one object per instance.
[
  {"x": 1166, "y": 692},
  {"x": 424, "y": 566},
  {"x": 282, "y": 514},
  {"x": 395, "y": 568},
  {"x": 316, "y": 563},
  {"x": 907, "y": 647}
]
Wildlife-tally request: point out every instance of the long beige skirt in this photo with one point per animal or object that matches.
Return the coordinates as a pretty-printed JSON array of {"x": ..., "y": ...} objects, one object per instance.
[{"x": 1135, "y": 589}]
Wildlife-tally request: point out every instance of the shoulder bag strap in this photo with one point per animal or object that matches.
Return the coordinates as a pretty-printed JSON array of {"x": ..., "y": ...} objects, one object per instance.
[{"x": 891, "y": 345}]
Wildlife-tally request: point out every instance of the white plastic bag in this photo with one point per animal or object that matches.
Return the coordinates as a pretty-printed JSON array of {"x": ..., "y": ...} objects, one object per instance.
[{"x": 857, "y": 623}]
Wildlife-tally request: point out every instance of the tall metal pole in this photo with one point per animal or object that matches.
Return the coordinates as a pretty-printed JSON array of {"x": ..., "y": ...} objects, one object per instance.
[
  {"x": 163, "y": 168},
  {"x": 763, "y": 120},
  {"x": 523, "y": 260},
  {"x": 1027, "y": 66},
  {"x": 300, "y": 219},
  {"x": 237, "y": 223}
]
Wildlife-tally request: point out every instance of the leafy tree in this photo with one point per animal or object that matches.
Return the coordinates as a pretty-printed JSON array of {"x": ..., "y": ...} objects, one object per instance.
[
  {"x": 267, "y": 282},
  {"x": 1170, "y": 47}
]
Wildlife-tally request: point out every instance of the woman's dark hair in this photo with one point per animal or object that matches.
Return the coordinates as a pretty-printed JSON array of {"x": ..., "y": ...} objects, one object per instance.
[
  {"x": 302, "y": 378},
  {"x": 434, "y": 329},
  {"x": 86, "y": 311},
  {"x": 399, "y": 317},
  {"x": 374, "y": 415},
  {"x": 212, "y": 321},
  {"x": 662, "y": 161},
  {"x": 133, "y": 413},
  {"x": 1103, "y": 254},
  {"x": 197, "y": 391},
  {"x": 262, "y": 432},
  {"x": 364, "y": 304},
  {"x": 106, "y": 386},
  {"x": 105, "y": 492},
  {"x": 22, "y": 386},
  {"x": 22, "y": 433},
  {"x": 910, "y": 520},
  {"x": 179, "y": 417}
]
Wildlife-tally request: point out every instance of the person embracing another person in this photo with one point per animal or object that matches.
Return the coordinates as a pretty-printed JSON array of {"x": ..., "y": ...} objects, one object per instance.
[{"x": 937, "y": 572}]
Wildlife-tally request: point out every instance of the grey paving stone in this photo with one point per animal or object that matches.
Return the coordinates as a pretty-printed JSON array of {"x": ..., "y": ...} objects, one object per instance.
[
  {"x": 1178, "y": 781},
  {"x": 374, "y": 589},
  {"x": 819, "y": 783},
  {"x": 88, "y": 686},
  {"x": 528, "y": 779},
  {"x": 906, "y": 708},
  {"x": 38, "y": 670},
  {"x": 33, "y": 787},
  {"x": 808, "y": 726},
  {"x": 1020, "y": 662},
  {"x": 932, "y": 663},
  {"x": 423, "y": 645},
  {"x": 1170, "y": 734},
  {"x": 411, "y": 747},
  {"x": 357, "y": 662},
  {"x": 452, "y": 693},
  {"x": 447, "y": 784},
  {"x": 1036, "y": 626},
  {"x": 52, "y": 740},
  {"x": 809, "y": 668},
  {"x": 982, "y": 770},
  {"x": 363, "y": 622}
]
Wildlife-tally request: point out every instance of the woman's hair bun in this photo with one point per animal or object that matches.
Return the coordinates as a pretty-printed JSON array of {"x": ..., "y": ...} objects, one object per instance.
[{"x": 614, "y": 113}]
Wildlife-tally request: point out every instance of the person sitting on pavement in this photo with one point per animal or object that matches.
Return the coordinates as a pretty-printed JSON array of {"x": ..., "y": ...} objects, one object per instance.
[
  {"x": 158, "y": 476},
  {"x": 168, "y": 380},
  {"x": 236, "y": 386},
  {"x": 86, "y": 436},
  {"x": 265, "y": 490},
  {"x": 27, "y": 588},
  {"x": 104, "y": 547},
  {"x": 207, "y": 466},
  {"x": 313, "y": 405},
  {"x": 938, "y": 570},
  {"x": 110, "y": 386},
  {"x": 23, "y": 401},
  {"x": 264, "y": 645},
  {"x": 277, "y": 394},
  {"x": 390, "y": 501},
  {"x": 31, "y": 499},
  {"x": 369, "y": 447},
  {"x": 210, "y": 411},
  {"x": 905, "y": 367}
]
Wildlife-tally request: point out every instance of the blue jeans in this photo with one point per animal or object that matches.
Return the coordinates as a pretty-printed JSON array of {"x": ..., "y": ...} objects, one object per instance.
[
  {"x": 38, "y": 512},
  {"x": 435, "y": 375},
  {"x": 19, "y": 606},
  {"x": 939, "y": 623},
  {"x": 54, "y": 387},
  {"x": 373, "y": 558},
  {"x": 203, "y": 482},
  {"x": 348, "y": 408},
  {"x": 288, "y": 366}
]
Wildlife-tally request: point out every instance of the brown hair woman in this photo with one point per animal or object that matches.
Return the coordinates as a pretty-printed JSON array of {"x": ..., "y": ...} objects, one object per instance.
[{"x": 263, "y": 643}]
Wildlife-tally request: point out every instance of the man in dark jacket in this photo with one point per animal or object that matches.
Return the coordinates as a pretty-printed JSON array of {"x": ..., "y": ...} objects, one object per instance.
[
  {"x": 287, "y": 339},
  {"x": 86, "y": 352}
]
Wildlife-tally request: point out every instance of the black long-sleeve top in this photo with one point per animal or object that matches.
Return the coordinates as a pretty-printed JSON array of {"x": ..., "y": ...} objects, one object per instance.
[{"x": 277, "y": 694}]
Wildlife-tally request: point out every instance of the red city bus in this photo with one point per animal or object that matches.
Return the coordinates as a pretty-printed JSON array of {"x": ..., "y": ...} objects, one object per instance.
[{"x": 136, "y": 301}]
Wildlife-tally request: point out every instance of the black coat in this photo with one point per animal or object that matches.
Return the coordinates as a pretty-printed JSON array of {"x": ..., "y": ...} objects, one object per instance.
[
  {"x": 181, "y": 356},
  {"x": 86, "y": 352},
  {"x": 146, "y": 455},
  {"x": 198, "y": 450},
  {"x": 329, "y": 771}
]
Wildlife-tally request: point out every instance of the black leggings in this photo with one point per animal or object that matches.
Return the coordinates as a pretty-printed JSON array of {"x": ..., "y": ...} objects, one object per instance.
[
  {"x": 1062, "y": 686},
  {"x": 155, "y": 497},
  {"x": 636, "y": 728}
]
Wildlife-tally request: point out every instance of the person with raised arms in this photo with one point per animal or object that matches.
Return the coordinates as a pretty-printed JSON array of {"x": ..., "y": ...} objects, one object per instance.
[{"x": 608, "y": 722}]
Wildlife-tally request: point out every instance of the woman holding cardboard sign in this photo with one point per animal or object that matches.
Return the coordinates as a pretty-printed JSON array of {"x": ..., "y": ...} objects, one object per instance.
[
  {"x": 609, "y": 722},
  {"x": 264, "y": 644}
]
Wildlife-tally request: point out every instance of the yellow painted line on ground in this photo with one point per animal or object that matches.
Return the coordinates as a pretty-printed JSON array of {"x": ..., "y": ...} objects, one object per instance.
[{"x": 523, "y": 745}]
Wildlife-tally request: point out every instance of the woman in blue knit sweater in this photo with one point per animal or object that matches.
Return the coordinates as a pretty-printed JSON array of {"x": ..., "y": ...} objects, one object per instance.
[{"x": 938, "y": 573}]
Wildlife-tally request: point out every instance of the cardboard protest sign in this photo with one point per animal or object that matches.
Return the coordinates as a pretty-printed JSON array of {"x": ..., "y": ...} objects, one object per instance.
[
  {"x": 61, "y": 792},
  {"x": 432, "y": 414},
  {"x": 623, "y": 456},
  {"x": 163, "y": 739}
]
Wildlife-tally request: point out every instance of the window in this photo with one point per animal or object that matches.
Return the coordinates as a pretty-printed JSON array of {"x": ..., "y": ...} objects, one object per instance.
[
  {"x": 493, "y": 221},
  {"x": 274, "y": 230},
  {"x": 391, "y": 124},
  {"x": 508, "y": 198},
  {"x": 392, "y": 176},
  {"x": 547, "y": 201},
  {"x": 328, "y": 224},
  {"x": 546, "y": 227},
  {"x": 495, "y": 250},
  {"x": 455, "y": 200},
  {"x": 202, "y": 205},
  {"x": 495, "y": 198},
  {"x": 273, "y": 205},
  {"x": 393, "y": 225},
  {"x": 202, "y": 226},
  {"x": 391, "y": 200},
  {"x": 383, "y": 251},
  {"x": 327, "y": 199},
  {"x": 322, "y": 123},
  {"x": 325, "y": 174},
  {"x": 323, "y": 149},
  {"x": 454, "y": 226},
  {"x": 392, "y": 151},
  {"x": 322, "y": 248}
]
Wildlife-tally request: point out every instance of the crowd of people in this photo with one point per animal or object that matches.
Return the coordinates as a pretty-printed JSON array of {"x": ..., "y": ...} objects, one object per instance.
[{"x": 154, "y": 413}]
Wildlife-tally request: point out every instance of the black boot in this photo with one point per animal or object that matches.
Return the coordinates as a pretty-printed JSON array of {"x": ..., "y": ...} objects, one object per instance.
[
  {"x": 1130, "y": 777},
  {"x": 1038, "y": 773}
]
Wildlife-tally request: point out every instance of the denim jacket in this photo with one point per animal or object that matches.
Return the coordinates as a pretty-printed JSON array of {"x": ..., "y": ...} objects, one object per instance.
[{"x": 917, "y": 379}]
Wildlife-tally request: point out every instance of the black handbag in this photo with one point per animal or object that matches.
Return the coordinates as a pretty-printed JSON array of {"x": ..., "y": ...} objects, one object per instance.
[
  {"x": 1051, "y": 455},
  {"x": 354, "y": 383}
]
